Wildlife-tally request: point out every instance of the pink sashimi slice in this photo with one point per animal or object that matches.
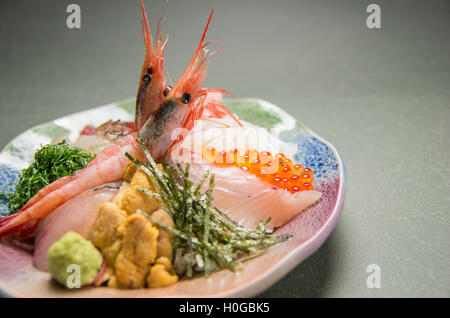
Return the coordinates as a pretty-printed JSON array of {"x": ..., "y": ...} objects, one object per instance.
[
  {"x": 77, "y": 214},
  {"x": 248, "y": 199}
]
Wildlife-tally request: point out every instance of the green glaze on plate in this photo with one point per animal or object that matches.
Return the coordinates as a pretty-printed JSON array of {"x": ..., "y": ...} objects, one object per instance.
[
  {"x": 129, "y": 105},
  {"x": 50, "y": 130},
  {"x": 14, "y": 150}
]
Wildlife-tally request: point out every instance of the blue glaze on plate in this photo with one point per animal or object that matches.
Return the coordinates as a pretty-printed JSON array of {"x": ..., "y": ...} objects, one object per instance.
[
  {"x": 313, "y": 153},
  {"x": 8, "y": 179}
]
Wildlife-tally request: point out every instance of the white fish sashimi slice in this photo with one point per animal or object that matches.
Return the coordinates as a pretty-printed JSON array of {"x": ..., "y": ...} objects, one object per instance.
[
  {"x": 224, "y": 134},
  {"x": 248, "y": 199},
  {"x": 77, "y": 214},
  {"x": 279, "y": 204}
]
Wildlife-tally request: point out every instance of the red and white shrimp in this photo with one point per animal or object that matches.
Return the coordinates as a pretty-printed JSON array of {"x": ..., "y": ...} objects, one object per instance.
[
  {"x": 183, "y": 104},
  {"x": 104, "y": 169},
  {"x": 152, "y": 85},
  {"x": 177, "y": 110}
]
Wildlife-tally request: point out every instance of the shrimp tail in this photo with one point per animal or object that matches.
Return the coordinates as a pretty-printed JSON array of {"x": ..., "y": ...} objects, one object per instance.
[
  {"x": 46, "y": 190},
  {"x": 12, "y": 223}
]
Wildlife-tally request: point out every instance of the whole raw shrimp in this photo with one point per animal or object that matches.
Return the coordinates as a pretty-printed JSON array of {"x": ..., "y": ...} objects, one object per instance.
[
  {"x": 178, "y": 109},
  {"x": 152, "y": 84}
]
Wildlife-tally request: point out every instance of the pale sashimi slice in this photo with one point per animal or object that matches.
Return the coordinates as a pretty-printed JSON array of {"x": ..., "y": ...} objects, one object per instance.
[
  {"x": 225, "y": 134},
  {"x": 78, "y": 215},
  {"x": 248, "y": 199},
  {"x": 92, "y": 143},
  {"x": 279, "y": 204}
]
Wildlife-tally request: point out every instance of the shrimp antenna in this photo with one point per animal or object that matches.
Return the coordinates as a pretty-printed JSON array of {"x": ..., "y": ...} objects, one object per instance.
[
  {"x": 195, "y": 72},
  {"x": 146, "y": 31},
  {"x": 169, "y": 79},
  {"x": 159, "y": 38},
  {"x": 200, "y": 46},
  {"x": 161, "y": 19}
]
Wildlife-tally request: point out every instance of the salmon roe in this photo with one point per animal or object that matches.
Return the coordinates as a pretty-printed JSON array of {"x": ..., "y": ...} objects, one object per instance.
[{"x": 278, "y": 170}]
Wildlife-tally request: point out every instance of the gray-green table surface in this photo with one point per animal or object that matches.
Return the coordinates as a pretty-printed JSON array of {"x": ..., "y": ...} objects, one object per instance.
[{"x": 381, "y": 96}]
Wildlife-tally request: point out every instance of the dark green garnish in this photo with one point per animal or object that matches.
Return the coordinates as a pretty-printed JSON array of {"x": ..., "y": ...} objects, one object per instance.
[
  {"x": 205, "y": 239},
  {"x": 51, "y": 162}
]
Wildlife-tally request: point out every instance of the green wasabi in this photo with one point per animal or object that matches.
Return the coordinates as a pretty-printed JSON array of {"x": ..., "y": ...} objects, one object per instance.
[{"x": 74, "y": 261}]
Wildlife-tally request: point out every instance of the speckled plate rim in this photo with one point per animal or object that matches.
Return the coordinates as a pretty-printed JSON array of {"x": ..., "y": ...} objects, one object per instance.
[{"x": 296, "y": 255}]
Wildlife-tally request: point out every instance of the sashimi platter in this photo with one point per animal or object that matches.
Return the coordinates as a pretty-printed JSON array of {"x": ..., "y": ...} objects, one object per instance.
[{"x": 183, "y": 191}]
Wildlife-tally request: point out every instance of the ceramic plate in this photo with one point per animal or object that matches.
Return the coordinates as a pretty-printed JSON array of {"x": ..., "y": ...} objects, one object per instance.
[{"x": 18, "y": 277}]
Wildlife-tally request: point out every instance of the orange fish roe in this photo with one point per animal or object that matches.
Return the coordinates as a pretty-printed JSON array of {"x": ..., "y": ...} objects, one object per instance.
[{"x": 278, "y": 170}]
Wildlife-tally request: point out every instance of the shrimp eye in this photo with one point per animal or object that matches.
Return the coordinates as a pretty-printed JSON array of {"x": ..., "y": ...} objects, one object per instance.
[
  {"x": 186, "y": 98},
  {"x": 167, "y": 90},
  {"x": 147, "y": 79},
  {"x": 150, "y": 71}
]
